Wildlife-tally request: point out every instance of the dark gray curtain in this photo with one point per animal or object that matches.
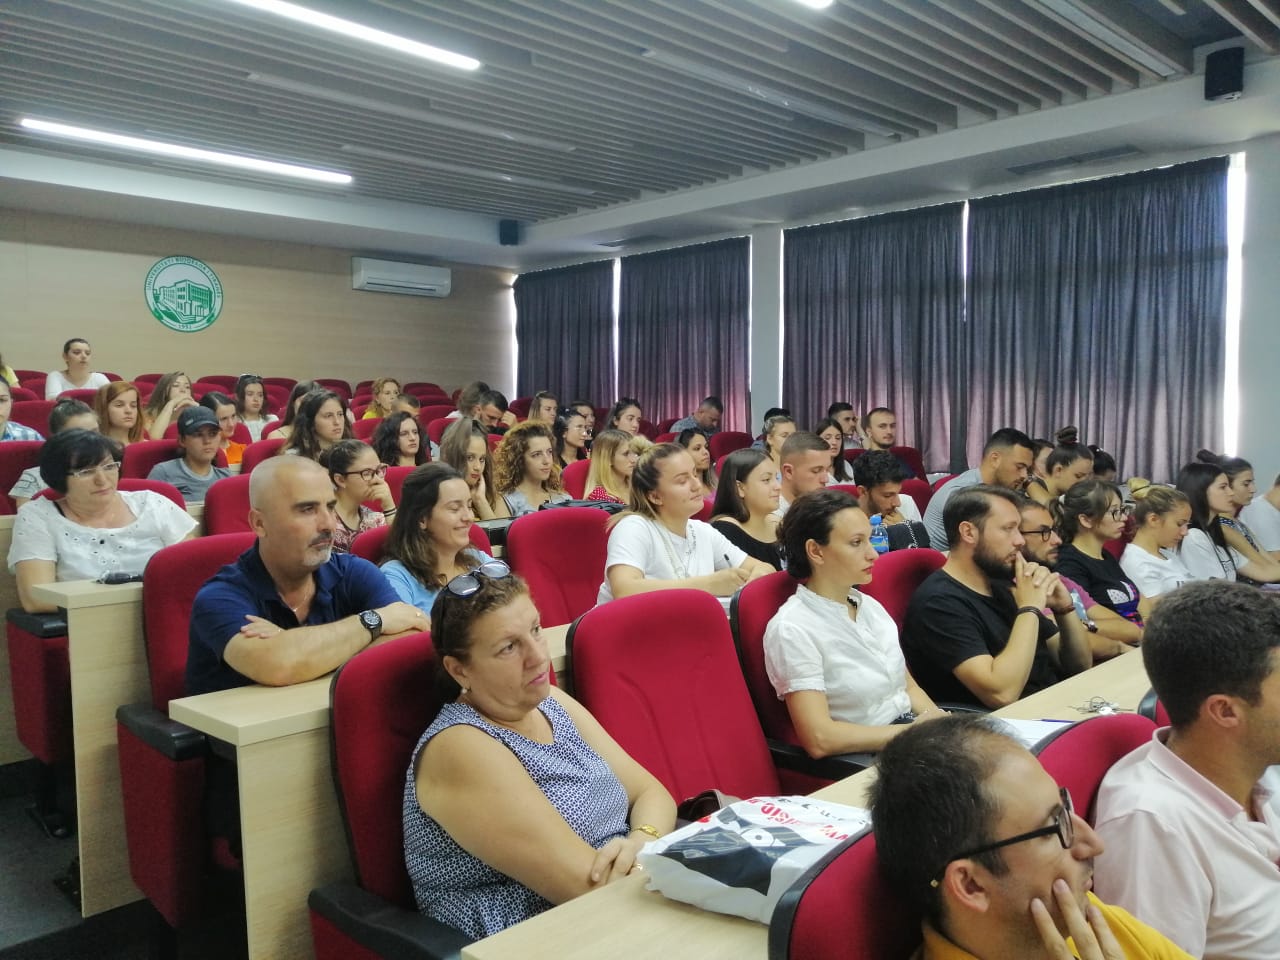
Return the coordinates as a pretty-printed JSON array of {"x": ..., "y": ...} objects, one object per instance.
[
  {"x": 564, "y": 332},
  {"x": 684, "y": 329},
  {"x": 1101, "y": 304},
  {"x": 872, "y": 316}
]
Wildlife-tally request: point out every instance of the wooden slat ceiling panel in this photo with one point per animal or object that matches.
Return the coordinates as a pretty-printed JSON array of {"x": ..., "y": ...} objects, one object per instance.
[{"x": 567, "y": 97}]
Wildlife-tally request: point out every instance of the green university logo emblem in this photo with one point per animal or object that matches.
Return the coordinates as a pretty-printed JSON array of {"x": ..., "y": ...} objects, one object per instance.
[{"x": 183, "y": 293}]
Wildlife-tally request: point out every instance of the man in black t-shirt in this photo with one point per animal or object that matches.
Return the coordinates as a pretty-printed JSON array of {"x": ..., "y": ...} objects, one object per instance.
[{"x": 974, "y": 631}]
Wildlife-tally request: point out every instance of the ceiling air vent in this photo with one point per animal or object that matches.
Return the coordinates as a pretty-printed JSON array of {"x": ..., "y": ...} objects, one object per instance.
[{"x": 1075, "y": 160}]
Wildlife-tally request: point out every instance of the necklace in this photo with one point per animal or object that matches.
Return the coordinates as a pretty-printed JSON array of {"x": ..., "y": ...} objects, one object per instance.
[
  {"x": 680, "y": 565},
  {"x": 307, "y": 594}
]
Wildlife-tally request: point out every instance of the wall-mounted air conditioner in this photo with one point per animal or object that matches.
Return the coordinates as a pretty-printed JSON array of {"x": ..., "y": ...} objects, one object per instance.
[{"x": 388, "y": 276}]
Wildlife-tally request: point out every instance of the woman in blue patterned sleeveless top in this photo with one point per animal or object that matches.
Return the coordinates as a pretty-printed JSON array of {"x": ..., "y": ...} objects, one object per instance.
[{"x": 515, "y": 799}]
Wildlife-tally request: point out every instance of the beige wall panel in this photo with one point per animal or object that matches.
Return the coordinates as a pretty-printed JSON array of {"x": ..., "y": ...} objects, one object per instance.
[{"x": 288, "y": 309}]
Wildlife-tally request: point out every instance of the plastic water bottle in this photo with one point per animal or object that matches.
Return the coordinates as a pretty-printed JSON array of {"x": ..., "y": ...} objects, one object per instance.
[{"x": 879, "y": 536}]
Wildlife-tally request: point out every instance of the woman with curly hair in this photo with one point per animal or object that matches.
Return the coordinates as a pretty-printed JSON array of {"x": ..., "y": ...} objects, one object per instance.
[
  {"x": 386, "y": 390},
  {"x": 398, "y": 441},
  {"x": 525, "y": 469}
]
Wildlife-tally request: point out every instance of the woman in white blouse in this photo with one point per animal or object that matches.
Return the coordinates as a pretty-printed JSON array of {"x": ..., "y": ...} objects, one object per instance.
[
  {"x": 1163, "y": 518},
  {"x": 1205, "y": 551},
  {"x": 78, "y": 375},
  {"x": 832, "y": 652},
  {"x": 92, "y": 528},
  {"x": 657, "y": 545}
]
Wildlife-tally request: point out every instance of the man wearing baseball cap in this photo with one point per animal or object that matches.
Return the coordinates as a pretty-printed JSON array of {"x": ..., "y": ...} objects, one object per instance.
[{"x": 193, "y": 473}]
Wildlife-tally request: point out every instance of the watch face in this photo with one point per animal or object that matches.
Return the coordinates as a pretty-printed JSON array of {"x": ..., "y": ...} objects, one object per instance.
[{"x": 371, "y": 620}]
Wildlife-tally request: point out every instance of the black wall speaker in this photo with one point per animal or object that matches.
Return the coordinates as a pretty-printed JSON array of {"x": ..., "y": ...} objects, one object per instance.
[
  {"x": 509, "y": 232},
  {"x": 1224, "y": 74}
]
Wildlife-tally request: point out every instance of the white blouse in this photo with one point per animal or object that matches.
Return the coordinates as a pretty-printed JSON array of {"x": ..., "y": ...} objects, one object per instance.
[
  {"x": 1154, "y": 575},
  {"x": 812, "y": 644},
  {"x": 1206, "y": 560},
  {"x": 41, "y": 532}
]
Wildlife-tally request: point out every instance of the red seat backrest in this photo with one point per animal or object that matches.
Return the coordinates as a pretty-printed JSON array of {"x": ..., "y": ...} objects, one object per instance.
[
  {"x": 648, "y": 429},
  {"x": 672, "y": 697},
  {"x": 141, "y": 457},
  {"x": 726, "y": 441},
  {"x": 395, "y": 481},
  {"x": 155, "y": 486},
  {"x": 383, "y": 699},
  {"x": 435, "y": 411},
  {"x": 22, "y": 393},
  {"x": 941, "y": 481},
  {"x": 32, "y": 413},
  {"x": 896, "y": 575},
  {"x": 170, "y": 583},
  {"x": 340, "y": 387},
  {"x": 15, "y": 457},
  {"x": 225, "y": 382},
  {"x": 83, "y": 394},
  {"x": 151, "y": 378},
  {"x": 664, "y": 426},
  {"x": 665, "y": 438},
  {"x": 372, "y": 544},
  {"x": 752, "y": 608},
  {"x": 520, "y": 406},
  {"x": 842, "y": 907},
  {"x": 919, "y": 491},
  {"x": 364, "y": 429},
  {"x": 226, "y": 506},
  {"x": 277, "y": 398},
  {"x": 437, "y": 427},
  {"x": 574, "y": 478},
  {"x": 255, "y": 453},
  {"x": 561, "y": 553},
  {"x": 1079, "y": 756},
  {"x": 911, "y": 457},
  {"x": 853, "y": 453}
]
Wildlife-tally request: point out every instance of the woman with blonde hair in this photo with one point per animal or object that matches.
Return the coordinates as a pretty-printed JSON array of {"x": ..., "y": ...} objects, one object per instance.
[
  {"x": 465, "y": 447},
  {"x": 657, "y": 545},
  {"x": 116, "y": 405},
  {"x": 696, "y": 442},
  {"x": 169, "y": 397},
  {"x": 525, "y": 468},
  {"x": 1163, "y": 518},
  {"x": 386, "y": 390},
  {"x": 612, "y": 462}
]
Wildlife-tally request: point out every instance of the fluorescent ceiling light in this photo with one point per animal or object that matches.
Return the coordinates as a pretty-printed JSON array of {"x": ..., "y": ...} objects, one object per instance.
[
  {"x": 495, "y": 175},
  {"x": 184, "y": 153},
  {"x": 815, "y": 4},
  {"x": 732, "y": 81},
  {"x": 409, "y": 113},
  {"x": 349, "y": 28},
  {"x": 1117, "y": 41}
]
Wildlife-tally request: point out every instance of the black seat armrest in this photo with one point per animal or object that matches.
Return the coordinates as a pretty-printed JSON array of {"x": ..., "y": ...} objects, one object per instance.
[
  {"x": 174, "y": 740},
  {"x": 385, "y": 929},
  {"x": 835, "y": 767},
  {"x": 39, "y": 624}
]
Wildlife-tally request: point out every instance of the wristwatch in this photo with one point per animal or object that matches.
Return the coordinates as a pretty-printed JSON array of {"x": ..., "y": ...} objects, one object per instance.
[{"x": 370, "y": 620}]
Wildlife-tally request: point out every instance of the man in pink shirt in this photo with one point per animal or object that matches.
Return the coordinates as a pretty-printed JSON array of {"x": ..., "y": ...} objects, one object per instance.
[{"x": 1192, "y": 834}]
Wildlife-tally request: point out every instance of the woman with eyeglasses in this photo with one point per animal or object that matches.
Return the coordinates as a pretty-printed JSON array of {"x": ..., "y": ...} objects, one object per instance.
[
  {"x": 430, "y": 539},
  {"x": 525, "y": 470},
  {"x": 398, "y": 441},
  {"x": 571, "y": 437},
  {"x": 831, "y": 651},
  {"x": 251, "y": 405},
  {"x": 1094, "y": 512},
  {"x": 515, "y": 798},
  {"x": 358, "y": 478},
  {"x": 90, "y": 528}
]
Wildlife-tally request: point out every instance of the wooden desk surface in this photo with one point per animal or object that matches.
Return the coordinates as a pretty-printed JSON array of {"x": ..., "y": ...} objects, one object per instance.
[{"x": 617, "y": 919}]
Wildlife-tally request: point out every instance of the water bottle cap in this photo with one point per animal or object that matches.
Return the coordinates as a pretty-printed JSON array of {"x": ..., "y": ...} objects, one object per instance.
[{"x": 876, "y": 518}]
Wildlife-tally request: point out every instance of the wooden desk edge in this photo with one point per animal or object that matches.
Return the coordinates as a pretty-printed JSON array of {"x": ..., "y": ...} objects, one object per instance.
[{"x": 82, "y": 594}]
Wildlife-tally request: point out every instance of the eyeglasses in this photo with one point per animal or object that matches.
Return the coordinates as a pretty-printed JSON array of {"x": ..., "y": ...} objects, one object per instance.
[
  {"x": 110, "y": 468},
  {"x": 368, "y": 473},
  {"x": 468, "y": 584},
  {"x": 1064, "y": 826},
  {"x": 1120, "y": 512},
  {"x": 1044, "y": 533}
]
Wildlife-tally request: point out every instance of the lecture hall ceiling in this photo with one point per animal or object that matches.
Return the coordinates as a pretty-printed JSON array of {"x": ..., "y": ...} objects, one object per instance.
[{"x": 580, "y": 105}]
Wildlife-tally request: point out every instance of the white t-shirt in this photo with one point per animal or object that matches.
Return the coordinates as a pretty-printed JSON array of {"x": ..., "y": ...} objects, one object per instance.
[
  {"x": 1263, "y": 520},
  {"x": 256, "y": 427},
  {"x": 1205, "y": 560},
  {"x": 812, "y": 644},
  {"x": 55, "y": 383},
  {"x": 41, "y": 532},
  {"x": 1153, "y": 575},
  {"x": 641, "y": 543},
  {"x": 907, "y": 507}
]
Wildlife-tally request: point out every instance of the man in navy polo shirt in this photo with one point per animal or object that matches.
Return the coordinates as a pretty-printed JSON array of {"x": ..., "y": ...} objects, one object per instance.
[{"x": 289, "y": 609}]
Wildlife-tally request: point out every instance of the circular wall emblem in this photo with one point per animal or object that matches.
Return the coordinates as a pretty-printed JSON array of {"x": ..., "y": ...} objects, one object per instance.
[{"x": 183, "y": 293}]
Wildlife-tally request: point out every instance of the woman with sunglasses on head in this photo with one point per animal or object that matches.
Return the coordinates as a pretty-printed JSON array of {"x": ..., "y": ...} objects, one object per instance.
[
  {"x": 1094, "y": 512},
  {"x": 398, "y": 441},
  {"x": 251, "y": 405},
  {"x": 516, "y": 798},
  {"x": 831, "y": 651},
  {"x": 169, "y": 397},
  {"x": 1206, "y": 551},
  {"x": 89, "y": 528},
  {"x": 358, "y": 478},
  {"x": 430, "y": 539},
  {"x": 746, "y": 505},
  {"x": 657, "y": 545}
]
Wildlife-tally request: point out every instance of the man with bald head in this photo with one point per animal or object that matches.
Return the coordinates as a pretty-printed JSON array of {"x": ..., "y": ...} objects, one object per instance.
[{"x": 289, "y": 609}]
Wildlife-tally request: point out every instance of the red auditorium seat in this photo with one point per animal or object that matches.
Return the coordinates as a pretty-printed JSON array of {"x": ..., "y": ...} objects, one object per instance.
[
  {"x": 726, "y": 441},
  {"x": 647, "y": 428},
  {"x": 561, "y": 553},
  {"x": 941, "y": 481},
  {"x": 364, "y": 429},
  {"x": 395, "y": 481},
  {"x": 29, "y": 374},
  {"x": 841, "y": 907},
  {"x": 15, "y": 457},
  {"x": 665, "y": 438},
  {"x": 226, "y": 506},
  {"x": 895, "y": 577},
  {"x": 372, "y": 544},
  {"x": 1079, "y": 756},
  {"x": 435, "y": 411},
  {"x": 148, "y": 378},
  {"x": 141, "y": 457},
  {"x": 224, "y": 382},
  {"x": 911, "y": 457},
  {"x": 84, "y": 395},
  {"x": 436, "y": 429},
  {"x": 383, "y": 698},
  {"x": 288, "y": 383},
  {"x": 32, "y": 413},
  {"x": 258, "y": 451},
  {"x": 574, "y": 478},
  {"x": 664, "y": 426},
  {"x": 919, "y": 491},
  {"x": 520, "y": 406},
  {"x": 40, "y": 679},
  {"x": 22, "y": 393},
  {"x": 340, "y": 387},
  {"x": 650, "y": 688}
]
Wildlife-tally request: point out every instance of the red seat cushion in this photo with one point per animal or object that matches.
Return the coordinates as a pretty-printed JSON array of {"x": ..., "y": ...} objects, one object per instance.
[{"x": 561, "y": 553}]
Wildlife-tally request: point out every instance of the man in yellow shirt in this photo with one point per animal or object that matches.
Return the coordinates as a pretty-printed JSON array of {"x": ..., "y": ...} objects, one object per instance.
[{"x": 975, "y": 835}]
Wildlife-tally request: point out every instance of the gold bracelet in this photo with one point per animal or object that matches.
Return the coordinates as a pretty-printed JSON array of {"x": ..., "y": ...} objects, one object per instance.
[{"x": 648, "y": 828}]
